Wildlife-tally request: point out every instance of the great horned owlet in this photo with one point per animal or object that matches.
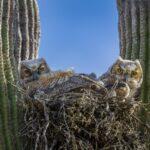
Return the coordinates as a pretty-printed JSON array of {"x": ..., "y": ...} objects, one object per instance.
[
  {"x": 32, "y": 70},
  {"x": 33, "y": 74},
  {"x": 36, "y": 75},
  {"x": 124, "y": 73}
]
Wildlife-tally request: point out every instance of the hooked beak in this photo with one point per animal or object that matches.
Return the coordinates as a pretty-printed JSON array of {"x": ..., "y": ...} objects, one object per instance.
[
  {"x": 35, "y": 76},
  {"x": 126, "y": 77}
]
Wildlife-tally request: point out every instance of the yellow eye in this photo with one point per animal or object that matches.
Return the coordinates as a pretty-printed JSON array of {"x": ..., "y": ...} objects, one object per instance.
[
  {"x": 134, "y": 73},
  {"x": 118, "y": 70}
]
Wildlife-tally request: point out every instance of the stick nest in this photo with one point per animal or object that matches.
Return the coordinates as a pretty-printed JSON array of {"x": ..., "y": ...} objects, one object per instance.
[{"x": 83, "y": 119}]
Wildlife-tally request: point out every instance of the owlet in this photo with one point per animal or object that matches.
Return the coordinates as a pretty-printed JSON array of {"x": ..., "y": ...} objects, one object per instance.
[{"x": 124, "y": 72}]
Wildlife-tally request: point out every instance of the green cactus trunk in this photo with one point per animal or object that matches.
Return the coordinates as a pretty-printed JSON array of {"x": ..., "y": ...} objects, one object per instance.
[
  {"x": 134, "y": 34},
  {"x": 19, "y": 40}
]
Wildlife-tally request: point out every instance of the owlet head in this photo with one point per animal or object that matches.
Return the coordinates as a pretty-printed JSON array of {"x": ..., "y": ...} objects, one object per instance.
[
  {"x": 128, "y": 71},
  {"x": 31, "y": 70}
]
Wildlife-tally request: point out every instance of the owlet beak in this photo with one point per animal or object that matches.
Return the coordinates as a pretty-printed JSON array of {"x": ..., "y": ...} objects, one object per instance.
[{"x": 35, "y": 76}]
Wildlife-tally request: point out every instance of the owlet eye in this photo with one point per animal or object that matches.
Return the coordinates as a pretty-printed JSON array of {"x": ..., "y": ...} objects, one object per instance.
[
  {"x": 134, "y": 73},
  {"x": 118, "y": 70},
  {"x": 42, "y": 68},
  {"x": 27, "y": 72}
]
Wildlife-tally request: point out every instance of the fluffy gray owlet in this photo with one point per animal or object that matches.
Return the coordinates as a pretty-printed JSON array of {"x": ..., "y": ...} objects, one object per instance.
[
  {"x": 125, "y": 71},
  {"x": 36, "y": 76},
  {"x": 33, "y": 70}
]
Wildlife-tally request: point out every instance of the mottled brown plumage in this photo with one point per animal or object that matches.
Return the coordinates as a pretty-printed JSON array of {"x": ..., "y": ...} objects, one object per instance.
[{"x": 126, "y": 73}]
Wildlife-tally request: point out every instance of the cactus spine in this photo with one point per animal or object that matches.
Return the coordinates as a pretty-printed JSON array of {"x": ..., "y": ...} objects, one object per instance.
[{"x": 19, "y": 40}]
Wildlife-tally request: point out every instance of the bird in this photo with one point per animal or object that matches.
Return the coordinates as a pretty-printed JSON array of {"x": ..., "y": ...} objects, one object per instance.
[
  {"x": 119, "y": 89},
  {"x": 33, "y": 74},
  {"x": 33, "y": 70},
  {"x": 126, "y": 73},
  {"x": 37, "y": 77}
]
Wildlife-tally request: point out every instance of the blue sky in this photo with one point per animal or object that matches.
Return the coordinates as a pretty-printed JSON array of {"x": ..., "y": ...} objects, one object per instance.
[{"x": 82, "y": 34}]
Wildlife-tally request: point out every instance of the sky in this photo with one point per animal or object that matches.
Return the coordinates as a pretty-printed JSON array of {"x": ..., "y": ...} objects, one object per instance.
[{"x": 79, "y": 34}]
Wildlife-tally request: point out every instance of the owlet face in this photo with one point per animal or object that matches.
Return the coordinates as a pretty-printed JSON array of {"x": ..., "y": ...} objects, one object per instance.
[
  {"x": 128, "y": 71},
  {"x": 31, "y": 70}
]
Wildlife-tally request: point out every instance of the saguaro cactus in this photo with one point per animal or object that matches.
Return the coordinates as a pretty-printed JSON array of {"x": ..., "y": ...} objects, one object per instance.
[
  {"x": 19, "y": 38},
  {"x": 134, "y": 29},
  {"x": 4, "y": 135}
]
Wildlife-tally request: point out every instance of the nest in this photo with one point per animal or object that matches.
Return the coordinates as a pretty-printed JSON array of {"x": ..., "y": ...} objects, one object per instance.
[{"x": 83, "y": 119}]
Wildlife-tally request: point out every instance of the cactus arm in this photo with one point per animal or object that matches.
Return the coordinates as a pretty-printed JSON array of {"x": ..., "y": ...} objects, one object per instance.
[
  {"x": 36, "y": 28},
  {"x": 31, "y": 28},
  {"x": 135, "y": 30},
  {"x": 24, "y": 29},
  {"x": 3, "y": 95},
  {"x": 14, "y": 46},
  {"x": 17, "y": 38},
  {"x": 121, "y": 28},
  {"x": 144, "y": 47},
  {"x": 9, "y": 73},
  {"x": 128, "y": 30},
  {"x": 11, "y": 44},
  {"x": 149, "y": 52}
]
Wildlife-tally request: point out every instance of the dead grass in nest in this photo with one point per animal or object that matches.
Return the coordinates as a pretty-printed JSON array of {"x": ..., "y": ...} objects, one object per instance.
[{"x": 83, "y": 120}]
